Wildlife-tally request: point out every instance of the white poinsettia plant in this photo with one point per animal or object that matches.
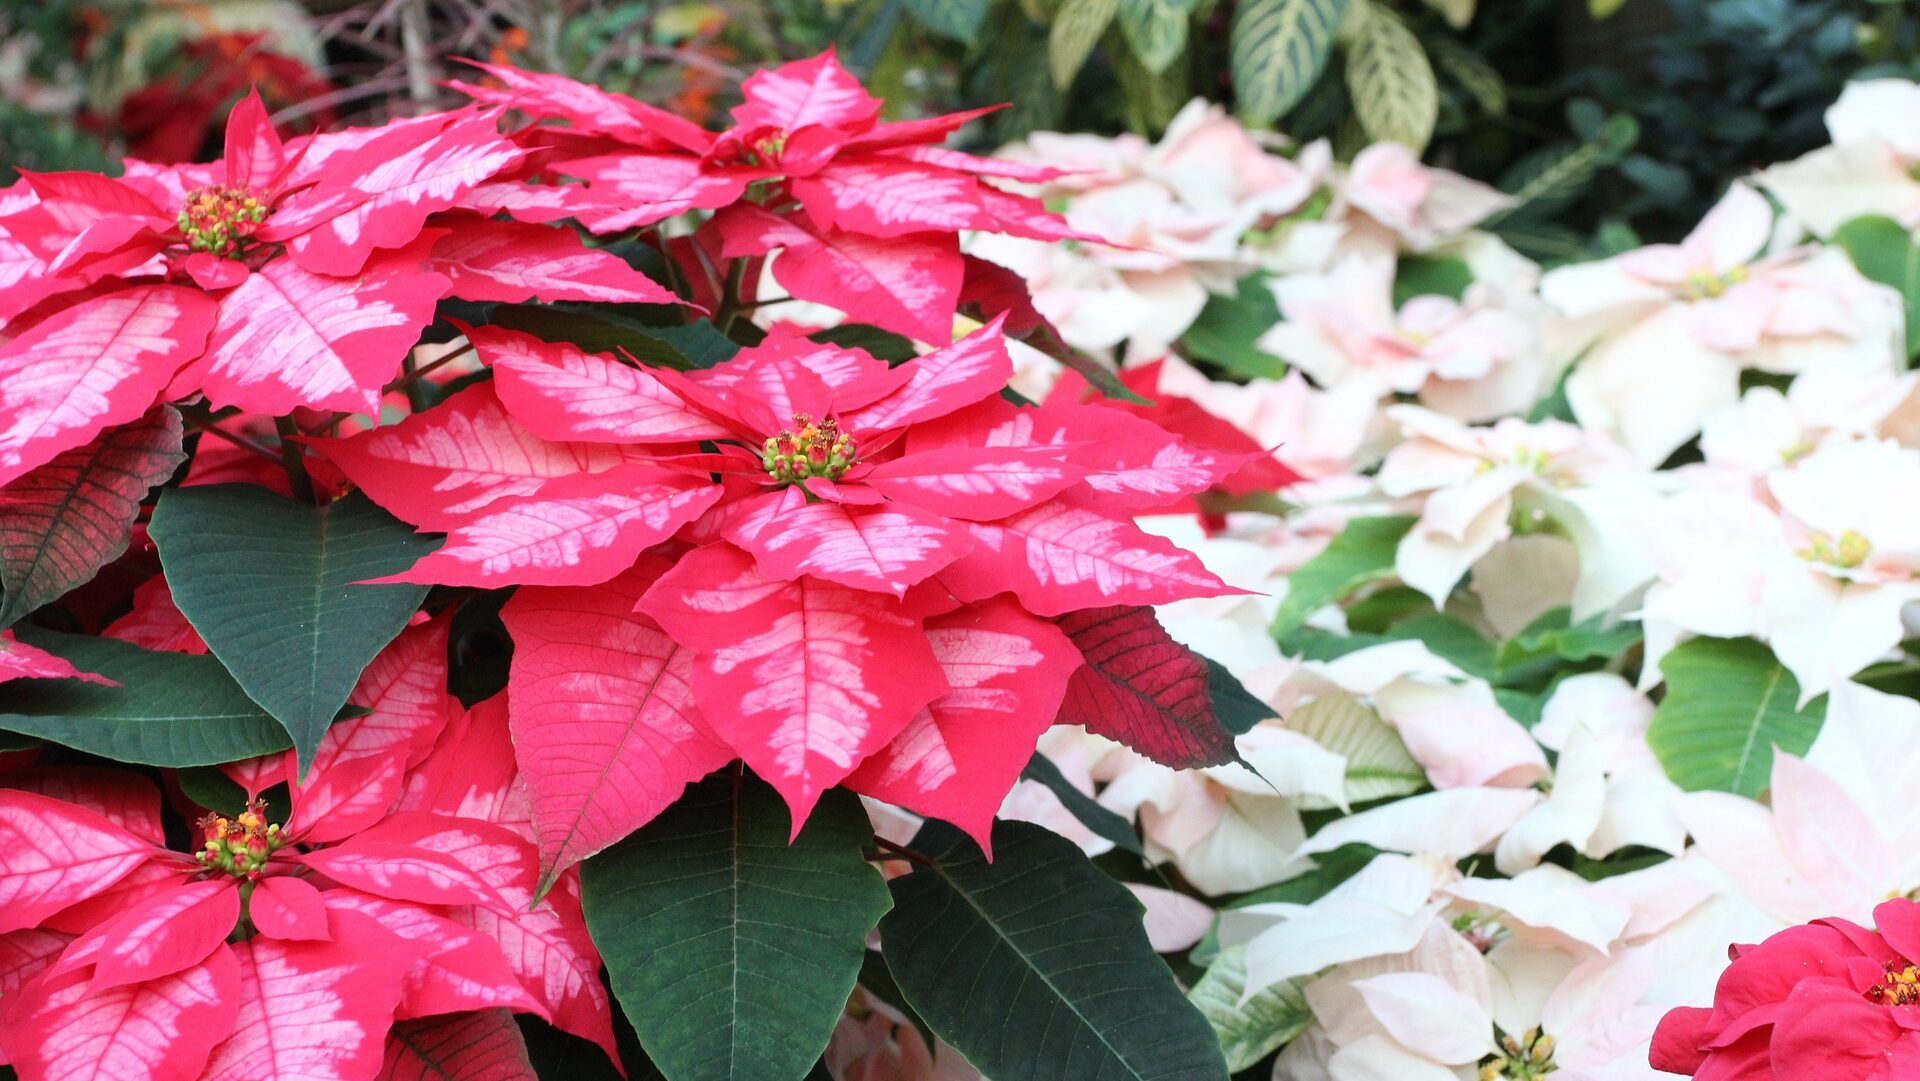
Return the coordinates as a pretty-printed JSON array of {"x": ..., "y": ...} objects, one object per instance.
[{"x": 1572, "y": 646}]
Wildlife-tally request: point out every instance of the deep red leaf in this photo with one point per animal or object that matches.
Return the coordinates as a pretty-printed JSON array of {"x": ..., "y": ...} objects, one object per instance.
[
  {"x": 1143, "y": 689},
  {"x": 484, "y": 1045},
  {"x": 66, "y": 519}
]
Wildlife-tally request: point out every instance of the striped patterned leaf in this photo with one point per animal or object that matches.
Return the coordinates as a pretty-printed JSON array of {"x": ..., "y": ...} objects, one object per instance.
[
  {"x": 1390, "y": 80},
  {"x": 1280, "y": 47},
  {"x": 1077, "y": 27},
  {"x": 1157, "y": 30},
  {"x": 957, "y": 19},
  {"x": 65, "y": 520}
]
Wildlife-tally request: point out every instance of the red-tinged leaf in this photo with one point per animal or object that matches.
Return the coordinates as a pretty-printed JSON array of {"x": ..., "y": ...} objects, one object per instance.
[
  {"x": 1133, "y": 464},
  {"x": 630, "y": 191},
  {"x": 601, "y": 706},
  {"x": 405, "y": 686},
  {"x": 878, "y": 197},
  {"x": 979, "y": 484},
  {"x": 975, "y": 367},
  {"x": 549, "y": 950},
  {"x": 150, "y": 879},
  {"x": 289, "y": 908},
  {"x": 60, "y": 1029},
  {"x": 254, "y": 153},
  {"x": 18, "y": 660},
  {"x": 470, "y": 773},
  {"x": 314, "y": 1010},
  {"x": 288, "y": 337},
  {"x": 25, "y": 954},
  {"x": 558, "y": 392},
  {"x": 1025, "y": 216},
  {"x": 806, "y": 93},
  {"x": 513, "y": 262},
  {"x": 804, "y": 679},
  {"x": 125, "y": 799},
  {"x": 957, "y": 759},
  {"x": 1141, "y": 688},
  {"x": 164, "y": 934},
  {"x": 892, "y": 134},
  {"x": 53, "y": 854},
  {"x": 908, "y": 284},
  {"x": 587, "y": 108},
  {"x": 579, "y": 535},
  {"x": 545, "y": 943},
  {"x": 944, "y": 158},
  {"x": 65, "y": 520},
  {"x": 1058, "y": 558},
  {"x": 154, "y": 622},
  {"x": 483, "y": 1045},
  {"x": 881, "y": 549},
  {"x": 992, "y": 290},
  {"x": 400, "y": 873},
  {"x": 344, "y": 798},
  {"x": 99, "y": 363},
  {"x": 438, "y": 468},
  {"x": 380, "y": 195},
  {"x": 462, "y": 970}
]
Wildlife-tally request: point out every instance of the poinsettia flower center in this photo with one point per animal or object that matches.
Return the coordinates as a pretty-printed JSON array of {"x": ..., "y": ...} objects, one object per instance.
[
  {"x": 1705, "y": 285},
  {"x": 1526, "y": 1058},
  {"x": 808, "y": 449},
  {"x": 1847, "y": 553},
  {"x": 1481, "y": 930},
  {"x": 1897, "y": 987},
  {"x": 220, "y": 220},
  {"x": 239, "y": 846}
]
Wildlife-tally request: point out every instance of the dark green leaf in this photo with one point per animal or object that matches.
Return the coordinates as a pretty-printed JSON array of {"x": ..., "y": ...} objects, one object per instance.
[
  {"x": 270, "y": 585},
  {"x": 1549, "y": 640},
  {"x": 171, "y": 709},
  {"x": 1036, "y": 966},
  {"x": 1729, "y": 703},
  {"x": 1279, "y": 48},
  {"x": 732, "y": 951},
  {"x": 700, "y": 342},
  {"x": 1082, "y": 806},
  {"x": 212, "y": 789},
  {"x": 1237, "y": 709},
  {"x": 1363, "y": 553},
  {"x": 884, "y": 344}
]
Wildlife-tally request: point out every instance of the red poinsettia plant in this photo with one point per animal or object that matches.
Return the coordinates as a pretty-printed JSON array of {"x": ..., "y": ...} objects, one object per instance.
[
  {"x": 1826, "y": 1001},
  {"x": 408, "y": 599}
]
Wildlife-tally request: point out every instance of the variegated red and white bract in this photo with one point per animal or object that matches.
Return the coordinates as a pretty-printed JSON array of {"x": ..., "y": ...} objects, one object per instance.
[{"x": 382, "y": 897}]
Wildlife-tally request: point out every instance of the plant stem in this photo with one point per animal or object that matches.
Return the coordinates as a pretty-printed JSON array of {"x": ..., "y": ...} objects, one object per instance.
[
  {"x": 730, "y": 301},
  {"x": 290, "y": 457},
  {"x": 206, "y": 422},
  {"x": 918, "y": 859}
]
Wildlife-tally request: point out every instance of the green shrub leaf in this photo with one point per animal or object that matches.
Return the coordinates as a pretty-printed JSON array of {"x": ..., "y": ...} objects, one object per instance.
[
  {"x": 730, "y": 950},
  {"x": 1883, "y": 251},
  {"x": 1036, "y": 966},
  {"x": 171, "y": 709},
  {"x": 1279, "y": 49},
  {"x": 1156, "y": 29},
  {"x": 1391, "y": 82},
  {"x": 957, "y": 19},
  {"x": 1729, "y": 703},
  {"x": 269, "y": 584},
  {"x": 1362, "y": 554},
  {"x": 1077, "y": 27}
]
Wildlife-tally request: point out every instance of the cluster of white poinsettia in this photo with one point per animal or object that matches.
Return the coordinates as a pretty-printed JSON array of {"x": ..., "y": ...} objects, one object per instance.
[{"x": 1712, "y": 439}]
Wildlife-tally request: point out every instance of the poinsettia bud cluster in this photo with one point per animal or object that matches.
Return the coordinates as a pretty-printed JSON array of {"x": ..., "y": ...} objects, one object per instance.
[{"x": 239, "y": 846}]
